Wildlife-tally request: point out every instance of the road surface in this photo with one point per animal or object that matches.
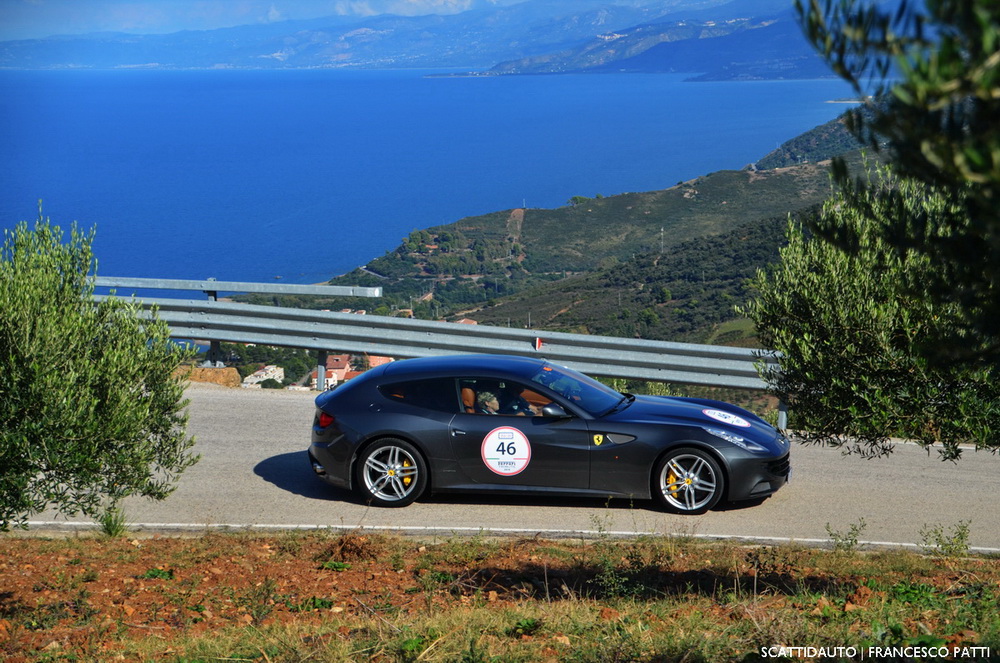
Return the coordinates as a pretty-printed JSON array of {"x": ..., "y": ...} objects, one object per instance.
[{"x": 254, "y": 472}]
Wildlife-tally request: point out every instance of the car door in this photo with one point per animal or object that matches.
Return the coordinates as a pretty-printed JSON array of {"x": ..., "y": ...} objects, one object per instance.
[
  {"x": 424, "y": 409},
  {"x": 519, "y": 450}
]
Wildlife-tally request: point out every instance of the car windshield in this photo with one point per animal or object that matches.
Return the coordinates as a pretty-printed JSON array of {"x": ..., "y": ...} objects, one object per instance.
[{"x": 578, "y": 389}]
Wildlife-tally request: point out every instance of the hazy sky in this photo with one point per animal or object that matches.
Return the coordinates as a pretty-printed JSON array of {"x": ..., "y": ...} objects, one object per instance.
[{"x": 25, "y": 19}]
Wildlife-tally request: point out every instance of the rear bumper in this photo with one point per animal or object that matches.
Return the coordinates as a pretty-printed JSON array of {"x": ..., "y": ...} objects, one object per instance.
[{"x": 327, "y": 468}]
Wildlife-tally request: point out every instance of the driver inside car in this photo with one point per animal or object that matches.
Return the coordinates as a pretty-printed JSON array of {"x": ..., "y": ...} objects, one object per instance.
[{"x": 515, "y": 403}]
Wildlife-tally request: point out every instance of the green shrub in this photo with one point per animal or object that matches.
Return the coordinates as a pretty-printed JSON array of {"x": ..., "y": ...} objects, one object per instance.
[{"x": 91, "y": 409}]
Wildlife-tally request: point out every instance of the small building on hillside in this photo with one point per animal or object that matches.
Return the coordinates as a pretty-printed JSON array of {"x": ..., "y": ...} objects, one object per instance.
[
  {"x": 378, "y": 360},
  {"x": 337, "y": 369},
  {"x": 253, "y": 380}
]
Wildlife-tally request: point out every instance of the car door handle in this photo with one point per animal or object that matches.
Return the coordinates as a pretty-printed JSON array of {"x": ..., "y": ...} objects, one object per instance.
[{"x": 456, "y": 431}]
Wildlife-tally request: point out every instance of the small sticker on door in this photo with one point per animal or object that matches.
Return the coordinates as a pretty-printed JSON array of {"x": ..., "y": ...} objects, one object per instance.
[{"x": 506, "y": 451}]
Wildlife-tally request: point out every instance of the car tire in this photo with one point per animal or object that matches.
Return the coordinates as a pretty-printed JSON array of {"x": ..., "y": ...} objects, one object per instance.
[
  {"x": 688, "y": 481},
  {"x": 391, "y": 472}
]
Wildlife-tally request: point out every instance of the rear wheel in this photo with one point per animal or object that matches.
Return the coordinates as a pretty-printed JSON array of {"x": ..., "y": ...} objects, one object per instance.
[
  {"x": 391, "y": 472},
  {"x": 688, "y": 481}
]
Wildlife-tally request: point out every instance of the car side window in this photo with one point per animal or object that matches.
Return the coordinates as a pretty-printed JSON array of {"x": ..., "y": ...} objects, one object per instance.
[
  {"x": 479, "y": 395},
  {"x": 489, "y": 396},
  {"x": 519, "y": 400},
  {"x": 432, "y": 394}
]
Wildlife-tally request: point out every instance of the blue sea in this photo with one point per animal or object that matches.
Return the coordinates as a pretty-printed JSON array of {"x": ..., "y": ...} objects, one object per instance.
[{"x": 304, "y": 175}]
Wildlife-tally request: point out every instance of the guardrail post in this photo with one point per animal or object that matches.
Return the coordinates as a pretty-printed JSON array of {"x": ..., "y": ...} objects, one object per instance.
[
  {"x": 321, "y": 370},
  {"x": 214, "y": 356},
  {"x": 782, "y": 415}
]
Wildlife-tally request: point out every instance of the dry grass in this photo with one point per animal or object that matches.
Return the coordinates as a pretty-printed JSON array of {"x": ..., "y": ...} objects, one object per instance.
[{"x": 358, "y": 597}]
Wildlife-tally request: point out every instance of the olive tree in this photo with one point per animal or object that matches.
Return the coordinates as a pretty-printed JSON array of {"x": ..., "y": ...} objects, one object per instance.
[
  {"x": 849, "y": 330},
  {"x": 91, "y": 409},
  {"x": 930, "y": 70}
]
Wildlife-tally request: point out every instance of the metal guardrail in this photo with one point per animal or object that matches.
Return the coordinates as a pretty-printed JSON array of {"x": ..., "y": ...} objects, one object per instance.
[
  {"x": 325, "y": 331},
  {"x": 400, "y": 337},
  {"x": 213, "y": 287}
]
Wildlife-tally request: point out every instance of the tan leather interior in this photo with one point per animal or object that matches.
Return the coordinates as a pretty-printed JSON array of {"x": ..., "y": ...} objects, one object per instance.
[{"x": 468, "y": 399}]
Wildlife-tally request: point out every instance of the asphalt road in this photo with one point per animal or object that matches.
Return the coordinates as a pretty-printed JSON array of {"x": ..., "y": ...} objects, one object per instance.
[{"x": 254, "y": 472}]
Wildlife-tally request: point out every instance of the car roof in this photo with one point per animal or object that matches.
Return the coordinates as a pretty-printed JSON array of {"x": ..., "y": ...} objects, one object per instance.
[{"x": 454, "y": 364}]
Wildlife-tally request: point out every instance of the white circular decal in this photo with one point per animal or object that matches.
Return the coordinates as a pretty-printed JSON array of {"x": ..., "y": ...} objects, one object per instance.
[
  {"x": 727, "y": 418},
  {"x": 506, "y": 451}
]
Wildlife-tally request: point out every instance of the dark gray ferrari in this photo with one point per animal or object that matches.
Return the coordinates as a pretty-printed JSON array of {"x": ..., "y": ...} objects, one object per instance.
[{"x": 498, "y": 424}]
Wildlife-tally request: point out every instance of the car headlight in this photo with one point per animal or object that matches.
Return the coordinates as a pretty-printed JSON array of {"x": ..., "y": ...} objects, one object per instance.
[{"x": 733, "y": 438}]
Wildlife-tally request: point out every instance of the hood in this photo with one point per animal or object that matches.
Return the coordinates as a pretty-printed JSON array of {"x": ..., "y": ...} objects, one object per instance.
[{"x": 700, "y": 413}]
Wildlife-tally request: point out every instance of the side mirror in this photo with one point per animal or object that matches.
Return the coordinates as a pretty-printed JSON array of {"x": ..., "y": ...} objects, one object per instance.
[{"x": 555, "y": 411}]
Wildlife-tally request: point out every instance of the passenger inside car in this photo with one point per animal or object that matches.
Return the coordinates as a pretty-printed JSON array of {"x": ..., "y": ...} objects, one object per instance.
[{"x": 487, "y": 403}]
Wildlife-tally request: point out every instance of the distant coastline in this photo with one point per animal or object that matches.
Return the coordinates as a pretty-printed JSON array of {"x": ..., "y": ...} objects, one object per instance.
[{"x": 244, "y": 177}]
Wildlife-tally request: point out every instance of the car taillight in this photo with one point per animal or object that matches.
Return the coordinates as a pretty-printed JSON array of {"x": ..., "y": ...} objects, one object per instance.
[{"x": 325, "y": 419}]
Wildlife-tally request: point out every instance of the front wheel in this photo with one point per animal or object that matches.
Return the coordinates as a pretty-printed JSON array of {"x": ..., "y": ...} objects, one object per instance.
[
  {"x": 688, "y": 481},
  {"x": 391, "y": 472}
]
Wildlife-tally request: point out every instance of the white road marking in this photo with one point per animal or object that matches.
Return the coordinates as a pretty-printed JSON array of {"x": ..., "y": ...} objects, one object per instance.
[{"x": 589, "y": 535}]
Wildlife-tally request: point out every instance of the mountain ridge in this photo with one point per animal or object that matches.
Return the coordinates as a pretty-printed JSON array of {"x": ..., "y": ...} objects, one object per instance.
[
  {"x": 542, "y": 36},
  {"x": 753, "y": 47},
  {"x": 480, "y": 38}
]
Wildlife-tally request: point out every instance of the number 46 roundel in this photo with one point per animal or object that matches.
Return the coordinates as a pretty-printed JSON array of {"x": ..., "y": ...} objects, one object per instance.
[{"x": 506, "y": 451}]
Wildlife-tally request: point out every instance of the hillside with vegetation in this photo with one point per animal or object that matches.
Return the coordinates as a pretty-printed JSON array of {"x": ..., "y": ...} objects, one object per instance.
[
  {"x": 668, "y": 264},
  {"x": 821, "y": 143},
  {"x": 687, "y": 292}
]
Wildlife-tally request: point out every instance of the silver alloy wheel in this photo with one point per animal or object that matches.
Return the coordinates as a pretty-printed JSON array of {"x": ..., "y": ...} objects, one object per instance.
[
  {"x": 689, "y": 482},
  {"x": 391, "y": 473}
]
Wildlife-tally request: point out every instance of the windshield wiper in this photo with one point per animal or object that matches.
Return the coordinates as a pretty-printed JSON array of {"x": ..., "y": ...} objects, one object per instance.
[{"x": 625, "y": 401}]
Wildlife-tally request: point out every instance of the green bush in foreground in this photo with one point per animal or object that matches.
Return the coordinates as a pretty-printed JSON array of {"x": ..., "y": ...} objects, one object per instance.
[
  {"x": 851, "y": 333},
  {"x": 930, "y": 73},
  {"x": 90, "y": 408}
]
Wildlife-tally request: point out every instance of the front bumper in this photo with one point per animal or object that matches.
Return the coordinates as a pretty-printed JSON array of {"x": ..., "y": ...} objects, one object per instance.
[{"x": 755, "y": 478}]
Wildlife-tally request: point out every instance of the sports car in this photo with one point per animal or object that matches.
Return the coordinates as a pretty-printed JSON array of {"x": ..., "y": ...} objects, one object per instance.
[{"x": 517, "y": 425}]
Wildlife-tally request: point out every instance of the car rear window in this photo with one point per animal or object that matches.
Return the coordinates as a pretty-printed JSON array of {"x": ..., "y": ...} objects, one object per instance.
[{"x": 433, "y": 393}]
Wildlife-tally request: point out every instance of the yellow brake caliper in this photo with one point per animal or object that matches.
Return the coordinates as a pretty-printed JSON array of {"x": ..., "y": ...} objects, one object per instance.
[
  {"x": 671, "y": 481},
  {"x": 408, "y": 479}
]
